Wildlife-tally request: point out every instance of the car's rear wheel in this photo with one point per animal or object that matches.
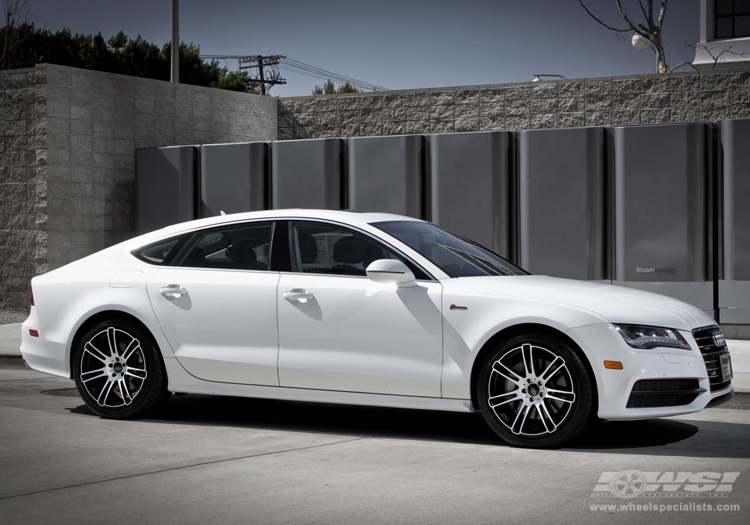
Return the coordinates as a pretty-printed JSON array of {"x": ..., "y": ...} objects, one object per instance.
[
  {"x": 118, "y": 371},
  {"x": 534, "y": 391}
]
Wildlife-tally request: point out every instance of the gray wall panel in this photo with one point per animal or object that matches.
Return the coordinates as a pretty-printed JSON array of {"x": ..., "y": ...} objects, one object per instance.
[
  {"x": 734, "y": 285},
  {"x": 469, "y": 186},
  {"x": 232, "y": 178},
  {"x": 735, "y": 139},
  {"x": 631, "y": 204},
  {"x": 385, "y": 174},
  {"x": 562, "y": 203},
  {"x": 165, "y": 181},
  {"x": 306, "y": 174},
  {"x": 661, "y": 212},
  {"x": 660, "y": 209}
]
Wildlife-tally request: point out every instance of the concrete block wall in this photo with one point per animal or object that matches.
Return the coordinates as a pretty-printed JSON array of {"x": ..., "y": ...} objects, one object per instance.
[
  {"x": 23, "y": 184},
  {"x": 646, "y": 99},
  {"x": 67, "y": 179},
  {"x": 68, "y": 137}
]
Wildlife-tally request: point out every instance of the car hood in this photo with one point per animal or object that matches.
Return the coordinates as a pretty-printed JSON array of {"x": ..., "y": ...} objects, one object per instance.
[{"x": 616, "y": 304}]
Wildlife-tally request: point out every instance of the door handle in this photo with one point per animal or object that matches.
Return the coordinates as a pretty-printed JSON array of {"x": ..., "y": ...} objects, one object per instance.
[
  {"x": 173, "y": 290},
  {"x": 298, "y": 294}
]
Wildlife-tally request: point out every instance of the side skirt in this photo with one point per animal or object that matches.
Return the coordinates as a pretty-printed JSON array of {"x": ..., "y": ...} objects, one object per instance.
[{"x": 182, "y": 382}]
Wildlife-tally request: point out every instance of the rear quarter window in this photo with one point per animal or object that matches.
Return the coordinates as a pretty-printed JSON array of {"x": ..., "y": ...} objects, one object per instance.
[{"x": 159, "y": 253}]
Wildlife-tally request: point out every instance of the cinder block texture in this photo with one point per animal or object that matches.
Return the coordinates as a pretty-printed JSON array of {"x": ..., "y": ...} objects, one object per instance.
[
  {"x": 67, "y": 148},
  {"x": 68, "y": 137},
  {"x": 614, "y": 101}
]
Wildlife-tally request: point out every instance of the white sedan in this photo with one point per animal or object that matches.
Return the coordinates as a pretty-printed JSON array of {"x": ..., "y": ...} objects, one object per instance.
[{"x": 366, "y": 309}]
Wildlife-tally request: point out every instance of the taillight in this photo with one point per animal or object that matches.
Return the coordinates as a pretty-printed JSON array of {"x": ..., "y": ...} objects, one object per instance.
[{"x": 32, "y": 298}]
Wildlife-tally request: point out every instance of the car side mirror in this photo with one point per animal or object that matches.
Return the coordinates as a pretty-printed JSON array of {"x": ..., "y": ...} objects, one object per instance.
[{"x": 391, "y": 271}]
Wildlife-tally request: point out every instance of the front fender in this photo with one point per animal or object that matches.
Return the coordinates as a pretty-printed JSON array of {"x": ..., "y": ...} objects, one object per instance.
[{"x": 470, "y": 321}]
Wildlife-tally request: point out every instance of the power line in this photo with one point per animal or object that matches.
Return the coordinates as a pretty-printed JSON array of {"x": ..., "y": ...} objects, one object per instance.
[
  {"x": 289, "y": 64},
  {"x": 294, "y": 66},
  {"x": 267, "y": 74}
]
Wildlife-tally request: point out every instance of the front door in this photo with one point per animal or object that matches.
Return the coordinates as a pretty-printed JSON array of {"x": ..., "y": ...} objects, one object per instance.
[{"x": 338, "y": 330}]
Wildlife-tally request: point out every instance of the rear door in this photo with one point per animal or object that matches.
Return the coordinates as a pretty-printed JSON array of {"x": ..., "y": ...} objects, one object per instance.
[{"x": 217, "y": 305}]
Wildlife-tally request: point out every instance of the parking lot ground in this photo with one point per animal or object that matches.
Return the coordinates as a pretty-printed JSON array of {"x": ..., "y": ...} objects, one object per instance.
[{"x": 226, "y": 460}]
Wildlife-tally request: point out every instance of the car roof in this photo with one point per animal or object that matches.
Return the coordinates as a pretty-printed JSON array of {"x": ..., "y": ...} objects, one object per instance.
[{"x": 354, "y": 218}]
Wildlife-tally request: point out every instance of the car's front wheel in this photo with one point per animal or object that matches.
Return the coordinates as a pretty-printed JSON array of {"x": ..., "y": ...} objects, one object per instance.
[
  {"x": 534, "y": 391},
  {"x": 118, "y": 371}
]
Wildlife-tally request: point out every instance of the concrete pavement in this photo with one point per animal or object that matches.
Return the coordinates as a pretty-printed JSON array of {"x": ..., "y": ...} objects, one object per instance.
[
  {"x": 10, "y": 344},
  {"x": 219, "y": 460}
]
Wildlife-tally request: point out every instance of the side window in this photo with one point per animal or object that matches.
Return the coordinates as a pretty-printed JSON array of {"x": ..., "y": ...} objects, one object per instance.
[
  {"x": 233, "y": 247},
  {"x": 331, "y": 249},
  {"x": 159, "y": 253}
]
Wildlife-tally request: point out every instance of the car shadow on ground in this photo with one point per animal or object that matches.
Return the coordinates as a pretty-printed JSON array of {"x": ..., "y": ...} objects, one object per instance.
[
  {"x": 625, "y": 435},
  {"x": 196, "y": 409},
  {"x": 663, "y": 437},
  {"x": 668, "y": 437}
]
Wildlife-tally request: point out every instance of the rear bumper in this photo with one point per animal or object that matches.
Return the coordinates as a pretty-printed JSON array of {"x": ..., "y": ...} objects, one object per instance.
[{"x": 40, "y": 354}]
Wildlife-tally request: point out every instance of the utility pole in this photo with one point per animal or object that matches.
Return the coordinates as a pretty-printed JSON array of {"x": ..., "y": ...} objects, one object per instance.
[
  {"x": 175, "y": 69},
  {"x": 267, "y": 71}
]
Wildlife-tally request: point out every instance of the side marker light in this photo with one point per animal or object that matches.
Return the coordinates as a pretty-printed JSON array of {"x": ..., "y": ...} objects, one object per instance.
[{"x": 613, "y": 365}]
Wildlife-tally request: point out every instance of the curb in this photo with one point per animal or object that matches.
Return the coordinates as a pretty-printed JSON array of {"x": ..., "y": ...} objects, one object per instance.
[{"x": 13, "y": 361}]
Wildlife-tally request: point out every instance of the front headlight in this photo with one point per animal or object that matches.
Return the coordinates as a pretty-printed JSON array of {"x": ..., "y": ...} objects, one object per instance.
[{"x": 645, "y": 337}]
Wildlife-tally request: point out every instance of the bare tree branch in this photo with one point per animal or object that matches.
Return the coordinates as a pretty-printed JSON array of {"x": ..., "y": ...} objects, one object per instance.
[
  {"x": 592, "y": 15},
  {"x": 15, "y": 14},
  {"x": 643, "y": 9},
  {"x": 686, "y": 63},
  {"x": 650, "y": 30},
  {"x": 662, "y": 12},
  {"x": 717, "y": 58},
  {"x": 633, "y": 27}
]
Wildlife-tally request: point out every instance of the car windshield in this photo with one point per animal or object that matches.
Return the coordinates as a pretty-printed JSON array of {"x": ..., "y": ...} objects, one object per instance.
[{"x": 457, "y": 257}]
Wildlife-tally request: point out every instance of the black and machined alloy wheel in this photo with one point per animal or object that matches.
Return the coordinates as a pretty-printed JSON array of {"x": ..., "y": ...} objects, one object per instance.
[
  {"x": 534, "y": 391},
  {"x": 118, "y": 371}
]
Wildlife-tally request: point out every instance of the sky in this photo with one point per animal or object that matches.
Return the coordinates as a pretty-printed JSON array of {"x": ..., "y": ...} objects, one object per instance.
[{"x": 396, "y": 44}]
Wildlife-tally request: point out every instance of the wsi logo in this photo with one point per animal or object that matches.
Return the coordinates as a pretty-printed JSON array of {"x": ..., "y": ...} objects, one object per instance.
[{"x": 632, "y": 483}]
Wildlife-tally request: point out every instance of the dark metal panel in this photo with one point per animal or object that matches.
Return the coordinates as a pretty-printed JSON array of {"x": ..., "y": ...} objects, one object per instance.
[
  {"x": 385, "y": 174},
  {"x": 662, "y": 194},
  {"x": 306, "y": 174},
  {"x": 165, "y": 182},
  {"x": 734, "y": 285},
  {"x": 470, "y": 185},
  {"x": 232, "y": 178},
  {"x": 561, "y": 203}
]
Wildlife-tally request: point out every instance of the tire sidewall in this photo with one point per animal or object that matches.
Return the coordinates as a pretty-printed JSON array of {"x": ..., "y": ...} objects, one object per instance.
[
  {"x": 154, "y": 387},
  {"x": 579, "y": 414}
]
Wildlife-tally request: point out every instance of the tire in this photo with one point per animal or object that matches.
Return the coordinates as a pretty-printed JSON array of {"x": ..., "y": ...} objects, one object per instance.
[
  {"x": 118, "y": 371},
  {"x": 534, "y": 391}
]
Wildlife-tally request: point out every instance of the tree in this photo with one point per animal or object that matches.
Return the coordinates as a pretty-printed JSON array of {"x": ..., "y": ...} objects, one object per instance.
[
  {"x": 234, "y": 81},
  {"x": 329, "y": 89},
  {"x": 15, "y": 32},
  {"x": 118, "y": 54},
  {"x": 649, "y": 31}
]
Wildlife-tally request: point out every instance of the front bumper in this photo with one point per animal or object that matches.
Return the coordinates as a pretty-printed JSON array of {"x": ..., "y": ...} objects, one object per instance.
[
  {"x": 657, "y": 382},
  {"x": 720, "y": 400}
]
